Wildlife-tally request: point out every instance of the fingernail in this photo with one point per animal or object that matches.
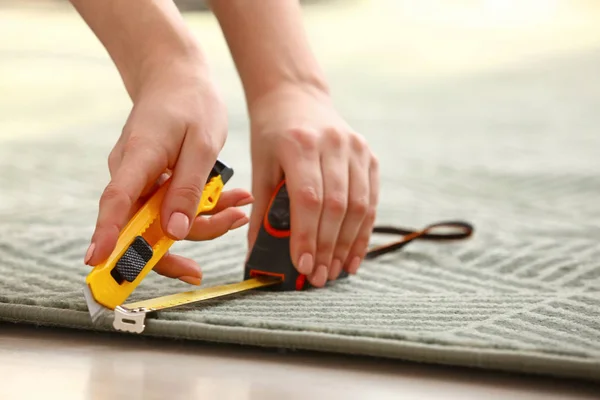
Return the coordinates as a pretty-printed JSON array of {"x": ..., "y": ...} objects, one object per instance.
[
  {"x": 89, "y": 253},
  {"x": 240, "y": 222},
  {"x": 336, "y": 268},
  {"x": 245, "y": 201},
  {"x": 353, "y": 267},
  {"x": 162, "y": 179},
  {"x": 192, "y": 280},
  {"x": 320, "y": 277},
  {"x": 178, "y": 225},
  {"x": 305, "y": 266}
]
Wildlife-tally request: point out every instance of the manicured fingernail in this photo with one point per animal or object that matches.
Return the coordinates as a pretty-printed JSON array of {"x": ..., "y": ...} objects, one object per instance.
[
  {"x": 305, "y": 266},
  {"x": 353, "y": 267},
  {"x": 245, "y": 201},
  {"x": 178, "y": 225},
  {"x": 162, "y": 179},
  {"x": 336, "y": 268},
  {"x": 192, "y": 280},
  {"x": 240, "y": 222},
  {"x": 89, "y": 253},
  {"x": 320, "y": 276}
]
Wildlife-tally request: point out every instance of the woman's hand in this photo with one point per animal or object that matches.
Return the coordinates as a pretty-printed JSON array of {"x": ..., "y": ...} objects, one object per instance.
[
  {"x": 331, "y": 175},
  {"x": 177, "y": 127}
]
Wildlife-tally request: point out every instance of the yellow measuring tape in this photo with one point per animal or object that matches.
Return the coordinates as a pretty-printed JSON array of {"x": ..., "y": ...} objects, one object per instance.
[
  {"x": 131, "y": 317},
  {"x": 180, "y": 299}
]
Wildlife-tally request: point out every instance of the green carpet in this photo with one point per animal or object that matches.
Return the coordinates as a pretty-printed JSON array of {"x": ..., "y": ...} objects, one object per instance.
[{"x": 515, "y": 153}]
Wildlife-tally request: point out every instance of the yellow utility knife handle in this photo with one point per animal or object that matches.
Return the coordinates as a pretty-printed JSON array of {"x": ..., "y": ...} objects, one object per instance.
[{"x": 142, "y": 243}]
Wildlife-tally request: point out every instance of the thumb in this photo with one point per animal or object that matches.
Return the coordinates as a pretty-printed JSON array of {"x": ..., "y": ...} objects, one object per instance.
[{"x": 263, "y": 185}]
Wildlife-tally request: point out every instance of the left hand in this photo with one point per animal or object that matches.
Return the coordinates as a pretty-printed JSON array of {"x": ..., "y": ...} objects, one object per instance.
[{"x": 331, "y": 175}]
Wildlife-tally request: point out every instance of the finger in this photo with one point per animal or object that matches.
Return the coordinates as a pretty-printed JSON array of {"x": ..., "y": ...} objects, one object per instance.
[
  {"x": 264, "y": 183},
  {"x": 232, "y": 198},
  {"x": 145, "y": 196},
  {"x": 301, "y": 165},
  {"x": 116, "y": 155},
  {"x": 361, "y": 243},
  {"x": 138, "y": 167},
  {"x": 208, "y": 228},
  {"x": 358, "y": 204},
  {"x": 335, "y": 203},
  {"x": 114, "y": 160},
  {"x": 152, "y": 187},
  {"x": 335, "y": 270},
  {"x": 174, "y": 266},
  {"x": 181, "y": 201}
]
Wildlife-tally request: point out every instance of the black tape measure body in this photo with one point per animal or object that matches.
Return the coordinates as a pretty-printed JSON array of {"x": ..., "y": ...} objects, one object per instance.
[{"x": 271, "y": 255}]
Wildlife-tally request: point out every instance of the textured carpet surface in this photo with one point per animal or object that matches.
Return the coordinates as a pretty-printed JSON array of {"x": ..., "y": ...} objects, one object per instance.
[{"x": 515, "y": 153}]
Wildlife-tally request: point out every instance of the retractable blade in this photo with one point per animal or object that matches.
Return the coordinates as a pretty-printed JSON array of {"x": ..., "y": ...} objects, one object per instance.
[{"x": 95, "y": 309}]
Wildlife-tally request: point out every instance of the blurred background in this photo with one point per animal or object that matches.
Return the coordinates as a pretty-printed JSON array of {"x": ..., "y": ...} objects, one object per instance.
[
  {"x": 441, "y": 89},
  {"x": 55, "y": 74},
  {"x": 427, "y": 81}
]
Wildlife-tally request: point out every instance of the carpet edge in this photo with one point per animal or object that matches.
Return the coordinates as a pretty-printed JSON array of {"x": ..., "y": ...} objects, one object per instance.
[{"x": 483, "y": 359}]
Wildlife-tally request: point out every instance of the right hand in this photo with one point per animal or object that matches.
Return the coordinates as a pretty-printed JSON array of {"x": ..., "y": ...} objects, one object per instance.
[
  {"x": 331, "y": 173},
  {"x": 177, "y": 127}
]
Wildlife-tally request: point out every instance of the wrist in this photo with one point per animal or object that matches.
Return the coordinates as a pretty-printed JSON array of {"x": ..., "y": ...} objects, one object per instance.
[
  {"x": 140, "y": 37},
  {"x": 269, "y": 45},
  {"x": 287, "y": 81},
  {"x": 180, "y": 59},
  {"x": 281, "y": 99},
  {"x": 167, "y": 64}
]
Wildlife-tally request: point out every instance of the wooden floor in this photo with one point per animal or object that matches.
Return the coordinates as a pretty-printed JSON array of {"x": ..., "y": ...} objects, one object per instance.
[
  {"x": 65, "y": 365},
  {"x": 429, "y": 39}
]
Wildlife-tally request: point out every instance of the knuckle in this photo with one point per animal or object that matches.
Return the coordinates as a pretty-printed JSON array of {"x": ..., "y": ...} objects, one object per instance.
[
  {"x": 359, "y": 205},
  {"x": 126, "y": 130},
  {"x": 361, "y": 244},
  {"x": 310, "y": 198},
  {"x": 364, "y": 236},
  {"x": 146, "y": 148},
  {"x": 205, "y": 143},
  {"x": 306, "y": 139},
  {"x": 113, "y": 160},
  {"x": 360, "y": 251},
  {"x": 343, "y": 245},
  {"x": 335, "y": 139},
  {"x": 190, "y": 193},
  {"x": 358, "y": 143},
  {"x": 371, "y": 216},
  {"x": 117, "y": 196},
  {"x": 134, "y": 143},
  {"x": 374, "y": 164},
  {"x": 324, "y": 253},
  {"x": 326, "y": 247},
  {"x": 174, "y": 112},
  {"x": 336, "y": 203},
  {"x": 342, "y": 252},
  {"x": 303, "y": 238}
]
